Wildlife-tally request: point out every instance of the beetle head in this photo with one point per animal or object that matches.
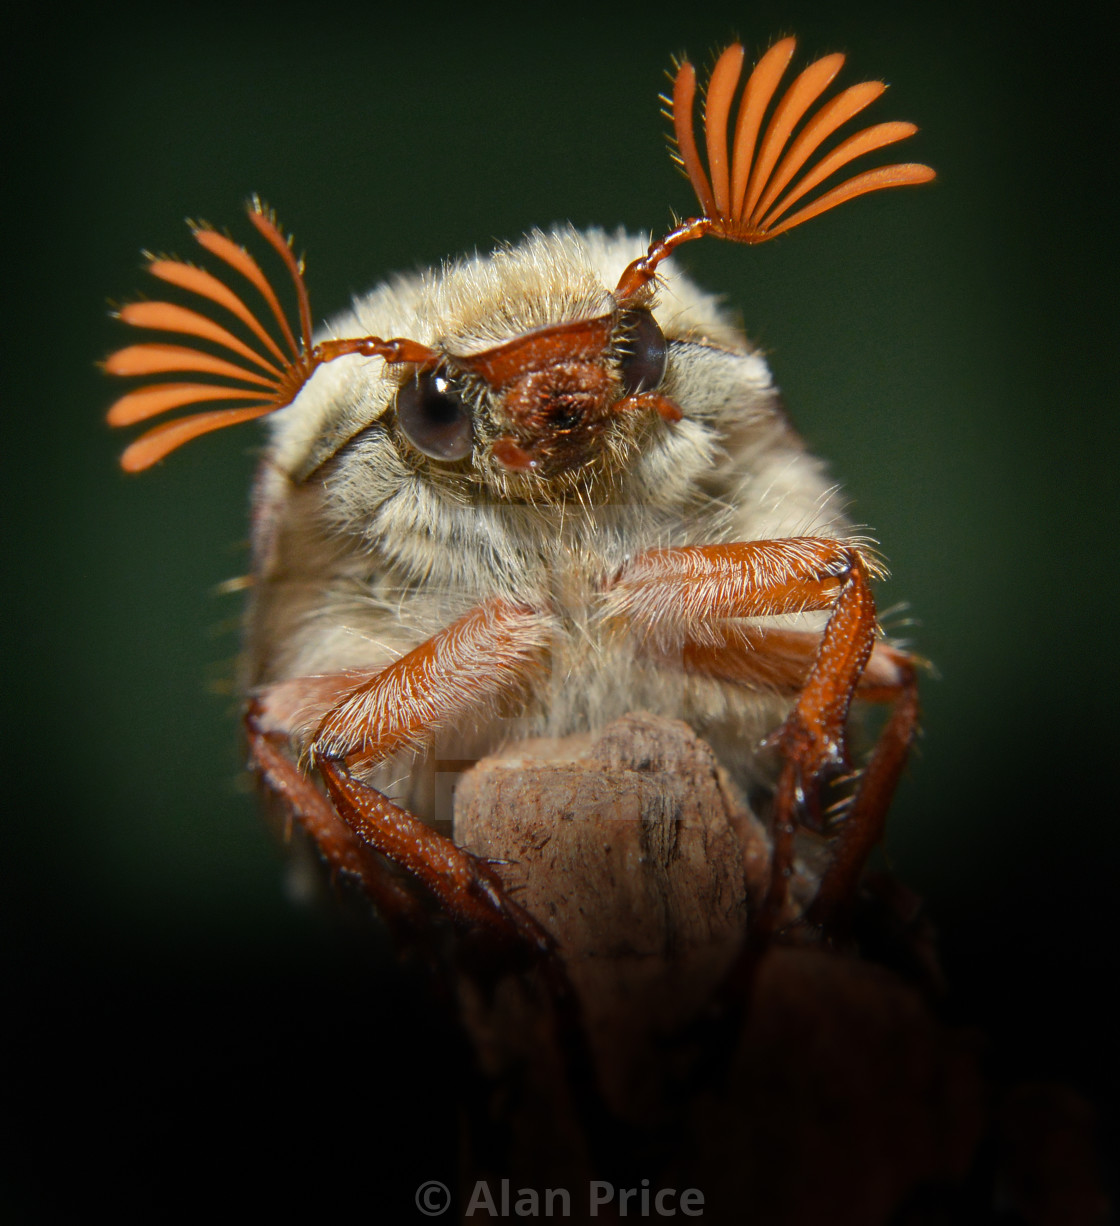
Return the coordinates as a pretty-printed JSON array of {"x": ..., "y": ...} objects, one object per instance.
[{"x": 547, "y": 401}]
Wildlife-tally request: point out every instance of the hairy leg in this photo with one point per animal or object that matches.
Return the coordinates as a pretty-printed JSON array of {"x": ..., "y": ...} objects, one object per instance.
[{"x": 678, "y": 596}]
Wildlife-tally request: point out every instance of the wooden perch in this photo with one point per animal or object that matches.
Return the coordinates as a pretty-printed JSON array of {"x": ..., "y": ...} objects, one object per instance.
[{"x": 837, "y": 1093}]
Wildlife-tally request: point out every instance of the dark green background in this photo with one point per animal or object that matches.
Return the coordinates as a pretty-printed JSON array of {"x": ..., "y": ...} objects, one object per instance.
[{"x": 951, "y": 350}]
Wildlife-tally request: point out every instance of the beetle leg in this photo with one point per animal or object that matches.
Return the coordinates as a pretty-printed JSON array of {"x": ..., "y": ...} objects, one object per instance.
[
  {"x": 677, "y": 592},
  {"x": 775, "y": 660},
  {"x": 475, "y": 662},
  {"x": 780, "y": 661},
  {"x": 862, "y": 827},
  {"x": 339, "y": 846}
]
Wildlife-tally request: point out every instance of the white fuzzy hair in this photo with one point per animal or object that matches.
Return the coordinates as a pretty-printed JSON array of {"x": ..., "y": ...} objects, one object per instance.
[{"x": 365, "y": 549}]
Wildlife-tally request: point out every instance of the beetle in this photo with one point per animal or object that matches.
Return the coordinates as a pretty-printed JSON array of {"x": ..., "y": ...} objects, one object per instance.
[{"x": 531, "y": 491}]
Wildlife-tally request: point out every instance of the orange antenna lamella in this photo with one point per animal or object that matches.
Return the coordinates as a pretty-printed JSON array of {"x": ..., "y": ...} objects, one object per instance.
[
  {"x": 752, "y": 182},
  {"x": 267, "y": 374}
]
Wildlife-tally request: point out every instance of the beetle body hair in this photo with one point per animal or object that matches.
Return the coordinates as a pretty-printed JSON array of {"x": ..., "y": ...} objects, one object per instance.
[{"x": 364, "y": 548}]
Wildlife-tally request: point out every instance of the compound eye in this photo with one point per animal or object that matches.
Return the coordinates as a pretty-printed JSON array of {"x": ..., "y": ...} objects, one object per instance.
[
  {"x": 642, "y": 366},
  {"x": 434, "y": 418}
]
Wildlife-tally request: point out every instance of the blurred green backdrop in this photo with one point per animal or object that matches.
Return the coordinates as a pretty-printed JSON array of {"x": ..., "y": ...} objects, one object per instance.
[{"x": 950, "y": 350}]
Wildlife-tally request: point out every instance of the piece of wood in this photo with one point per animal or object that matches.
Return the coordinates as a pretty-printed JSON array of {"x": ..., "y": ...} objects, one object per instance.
[
  {"x": 830, "y": 1093},
  {"x": 634, "y": 853}
]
